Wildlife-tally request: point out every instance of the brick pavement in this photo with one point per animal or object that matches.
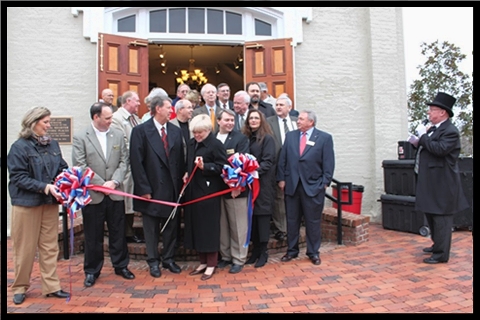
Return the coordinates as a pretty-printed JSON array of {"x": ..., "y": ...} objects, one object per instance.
[{"x": 384, "y": 275}]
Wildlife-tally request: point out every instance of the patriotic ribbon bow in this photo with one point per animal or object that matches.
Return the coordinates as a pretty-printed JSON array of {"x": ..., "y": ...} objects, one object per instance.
[
  {"x": 242, "y": 172},
  {"x": 72, "y": 183}
]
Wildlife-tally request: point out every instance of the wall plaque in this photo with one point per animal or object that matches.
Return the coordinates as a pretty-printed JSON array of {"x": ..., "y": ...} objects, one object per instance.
[{"x": 61, "y": 129}]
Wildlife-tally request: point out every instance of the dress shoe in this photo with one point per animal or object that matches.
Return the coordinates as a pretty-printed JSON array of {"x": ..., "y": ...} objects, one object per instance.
[
  {"x": 235, "y": 268},
  {"x": 432, "y": 261},
  {"x": 223, "y": 263},
  {"x": 207, "y": 276},
  {"x": 125, "y": 273},
  {"x": 155, "y": 271},
  {"x": 59, "y": 294},
  {"x": 261, "y": 260},
  {"x": 428, "y": 250},
  {"x": 89, "y": 280},
  {"x": 287, "y": 258},
  {"x": 280, "y": 236},
  {"x": 195, "y": 272},
  {"x": 255, "y": 254},
  {"x": 316, "y": 260},
  {"x": 18, "y": 298},
  {"x": 172, "y": 266}
]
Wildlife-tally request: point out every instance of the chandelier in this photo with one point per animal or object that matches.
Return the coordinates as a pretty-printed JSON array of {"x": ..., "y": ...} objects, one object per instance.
[{"x": 192, "y": 76}]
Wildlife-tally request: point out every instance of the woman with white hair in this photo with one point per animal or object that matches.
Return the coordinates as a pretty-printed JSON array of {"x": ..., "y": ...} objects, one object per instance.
[{"x": 202, "y": 219}]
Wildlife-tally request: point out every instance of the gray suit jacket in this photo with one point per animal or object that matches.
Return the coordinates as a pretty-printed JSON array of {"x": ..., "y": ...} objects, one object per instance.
[
  {"x": 87, "y": 152},
  {"x": 203, "y": 109},
  {"x": 273, "y": 121}
]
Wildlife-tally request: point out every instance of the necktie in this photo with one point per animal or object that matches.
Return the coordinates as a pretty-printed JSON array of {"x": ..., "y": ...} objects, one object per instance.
[
  {"x": 133, "y": 121},
  {"x": 417, "y": 156},
  {"x": 285, "y": 127},
  {"x": 164, "y": 139},
  {"x": 212, "y": 117},
  {"x": 303, "y": 142},
  {"x": 224, "y": 106},
  {"x": 240, "y": 118}
]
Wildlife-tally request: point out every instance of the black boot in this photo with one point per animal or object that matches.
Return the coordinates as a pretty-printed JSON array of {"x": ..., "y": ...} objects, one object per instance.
[
  {"x": 263, "y": 258},
  {"x": 254, "y": 256}
]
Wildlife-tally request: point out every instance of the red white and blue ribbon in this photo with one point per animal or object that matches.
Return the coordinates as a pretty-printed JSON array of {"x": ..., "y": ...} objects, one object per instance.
[
  {"x": 242, "y": 173},
  {"x": 72, "y": 184}
]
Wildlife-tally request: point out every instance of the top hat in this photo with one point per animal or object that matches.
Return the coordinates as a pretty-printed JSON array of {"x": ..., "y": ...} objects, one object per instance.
[{"x": 444, "y": 101}]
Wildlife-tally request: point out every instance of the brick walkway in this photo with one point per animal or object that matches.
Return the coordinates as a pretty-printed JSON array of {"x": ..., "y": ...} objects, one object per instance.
[{"x": 384, "y": 275}]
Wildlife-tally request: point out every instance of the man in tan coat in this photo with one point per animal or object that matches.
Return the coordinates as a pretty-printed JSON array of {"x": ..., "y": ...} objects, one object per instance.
[{"x": 125, "y": 119}]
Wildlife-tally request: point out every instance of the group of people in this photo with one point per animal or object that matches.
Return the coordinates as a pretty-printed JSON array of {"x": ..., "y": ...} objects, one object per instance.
[{"x": 174, "y": 160}]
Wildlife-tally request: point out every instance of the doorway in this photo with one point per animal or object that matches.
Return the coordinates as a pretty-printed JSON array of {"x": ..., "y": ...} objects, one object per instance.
[{"x": 217, "y": 63}]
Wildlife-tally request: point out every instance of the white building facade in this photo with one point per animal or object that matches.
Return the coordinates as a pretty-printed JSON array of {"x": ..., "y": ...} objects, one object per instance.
[{"x": 348, "y": 68}]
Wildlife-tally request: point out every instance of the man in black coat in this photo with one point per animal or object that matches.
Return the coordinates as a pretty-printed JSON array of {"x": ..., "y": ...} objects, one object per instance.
[
  {"x": 158, "y": 165},
  {"x": 439, "y": 191},
  {"x": 253, "y": 90}
]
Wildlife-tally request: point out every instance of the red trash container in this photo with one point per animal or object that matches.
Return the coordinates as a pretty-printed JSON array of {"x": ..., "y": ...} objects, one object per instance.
[{"x": 357, "y": 192}]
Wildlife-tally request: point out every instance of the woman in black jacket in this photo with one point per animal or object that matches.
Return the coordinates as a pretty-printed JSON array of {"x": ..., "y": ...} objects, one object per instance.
[
  {"x": 202, "y": 219},
  {"x": 262, "y": 146},
  {"x": 34, "y": 161}
]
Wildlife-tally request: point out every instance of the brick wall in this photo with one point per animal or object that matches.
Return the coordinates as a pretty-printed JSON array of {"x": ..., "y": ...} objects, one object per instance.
[{"x": 354, "y": 227}]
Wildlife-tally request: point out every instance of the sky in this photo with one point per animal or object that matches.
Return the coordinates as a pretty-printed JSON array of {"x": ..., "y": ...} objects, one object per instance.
[{"x": 454, "y": 25}]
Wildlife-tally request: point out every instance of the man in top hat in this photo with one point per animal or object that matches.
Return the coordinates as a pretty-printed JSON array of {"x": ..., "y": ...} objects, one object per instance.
[{"x": 439, "y": 191}]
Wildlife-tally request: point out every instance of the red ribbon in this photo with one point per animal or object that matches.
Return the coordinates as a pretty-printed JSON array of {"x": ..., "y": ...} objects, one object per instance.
[{"x": 106, "y": 190}]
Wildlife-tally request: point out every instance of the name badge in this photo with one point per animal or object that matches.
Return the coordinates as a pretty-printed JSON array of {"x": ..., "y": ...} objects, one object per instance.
[
  {"x": 310, "y": 143},
  {"x": 230, "y": 151}
]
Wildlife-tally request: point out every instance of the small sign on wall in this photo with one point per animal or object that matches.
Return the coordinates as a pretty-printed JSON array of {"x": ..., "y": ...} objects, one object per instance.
[{"x": 61, "y": 129}]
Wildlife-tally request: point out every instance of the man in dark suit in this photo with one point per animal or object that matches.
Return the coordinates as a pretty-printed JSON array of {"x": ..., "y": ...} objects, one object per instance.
[
  {"x": 305, "y": 170},
  {"x": 158, "y": 165},
  {"x": 241, "y": 100},
  {"x": 439, "y": 191},
  {"x": 253, "y": 89},
  {"x": 234, "y": 206},
  {"x": 281, "y": 124},
  {"x": 103, "y": 149},
  {"x": 223, "y": 96}
]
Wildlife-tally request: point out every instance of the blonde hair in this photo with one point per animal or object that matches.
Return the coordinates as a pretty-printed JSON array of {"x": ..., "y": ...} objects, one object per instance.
[
  {"x": 30, "y": 119},
  {"x": 200, "y": 122}
]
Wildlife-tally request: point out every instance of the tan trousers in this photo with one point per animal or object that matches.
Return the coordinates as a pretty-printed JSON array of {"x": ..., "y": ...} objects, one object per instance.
[
  {"x": 279, "y": 215},
  {"x": 35, "y": 228},
  {"x": 233, "y": 230}
]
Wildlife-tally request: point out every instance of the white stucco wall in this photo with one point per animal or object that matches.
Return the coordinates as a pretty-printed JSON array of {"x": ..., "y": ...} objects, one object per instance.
[
  {"x": 49, "y": 63},
  {"x": 349, "y": 68}
]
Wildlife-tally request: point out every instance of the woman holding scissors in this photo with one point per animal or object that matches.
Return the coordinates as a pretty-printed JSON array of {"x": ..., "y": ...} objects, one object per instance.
[{"x": 206, "y": 157}]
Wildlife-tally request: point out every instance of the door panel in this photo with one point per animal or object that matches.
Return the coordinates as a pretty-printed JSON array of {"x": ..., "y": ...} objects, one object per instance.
[
  {"x": 122, "y": 66},
  {"x": 271, "y": 61}
]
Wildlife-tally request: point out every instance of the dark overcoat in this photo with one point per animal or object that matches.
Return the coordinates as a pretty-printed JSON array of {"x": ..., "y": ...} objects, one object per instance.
[
  {"x": 439, "y": 188},
  {"x": 152, "y": 171},
  {"x": 265, "y": 153},
  {"x": 202, "y": 219}
]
